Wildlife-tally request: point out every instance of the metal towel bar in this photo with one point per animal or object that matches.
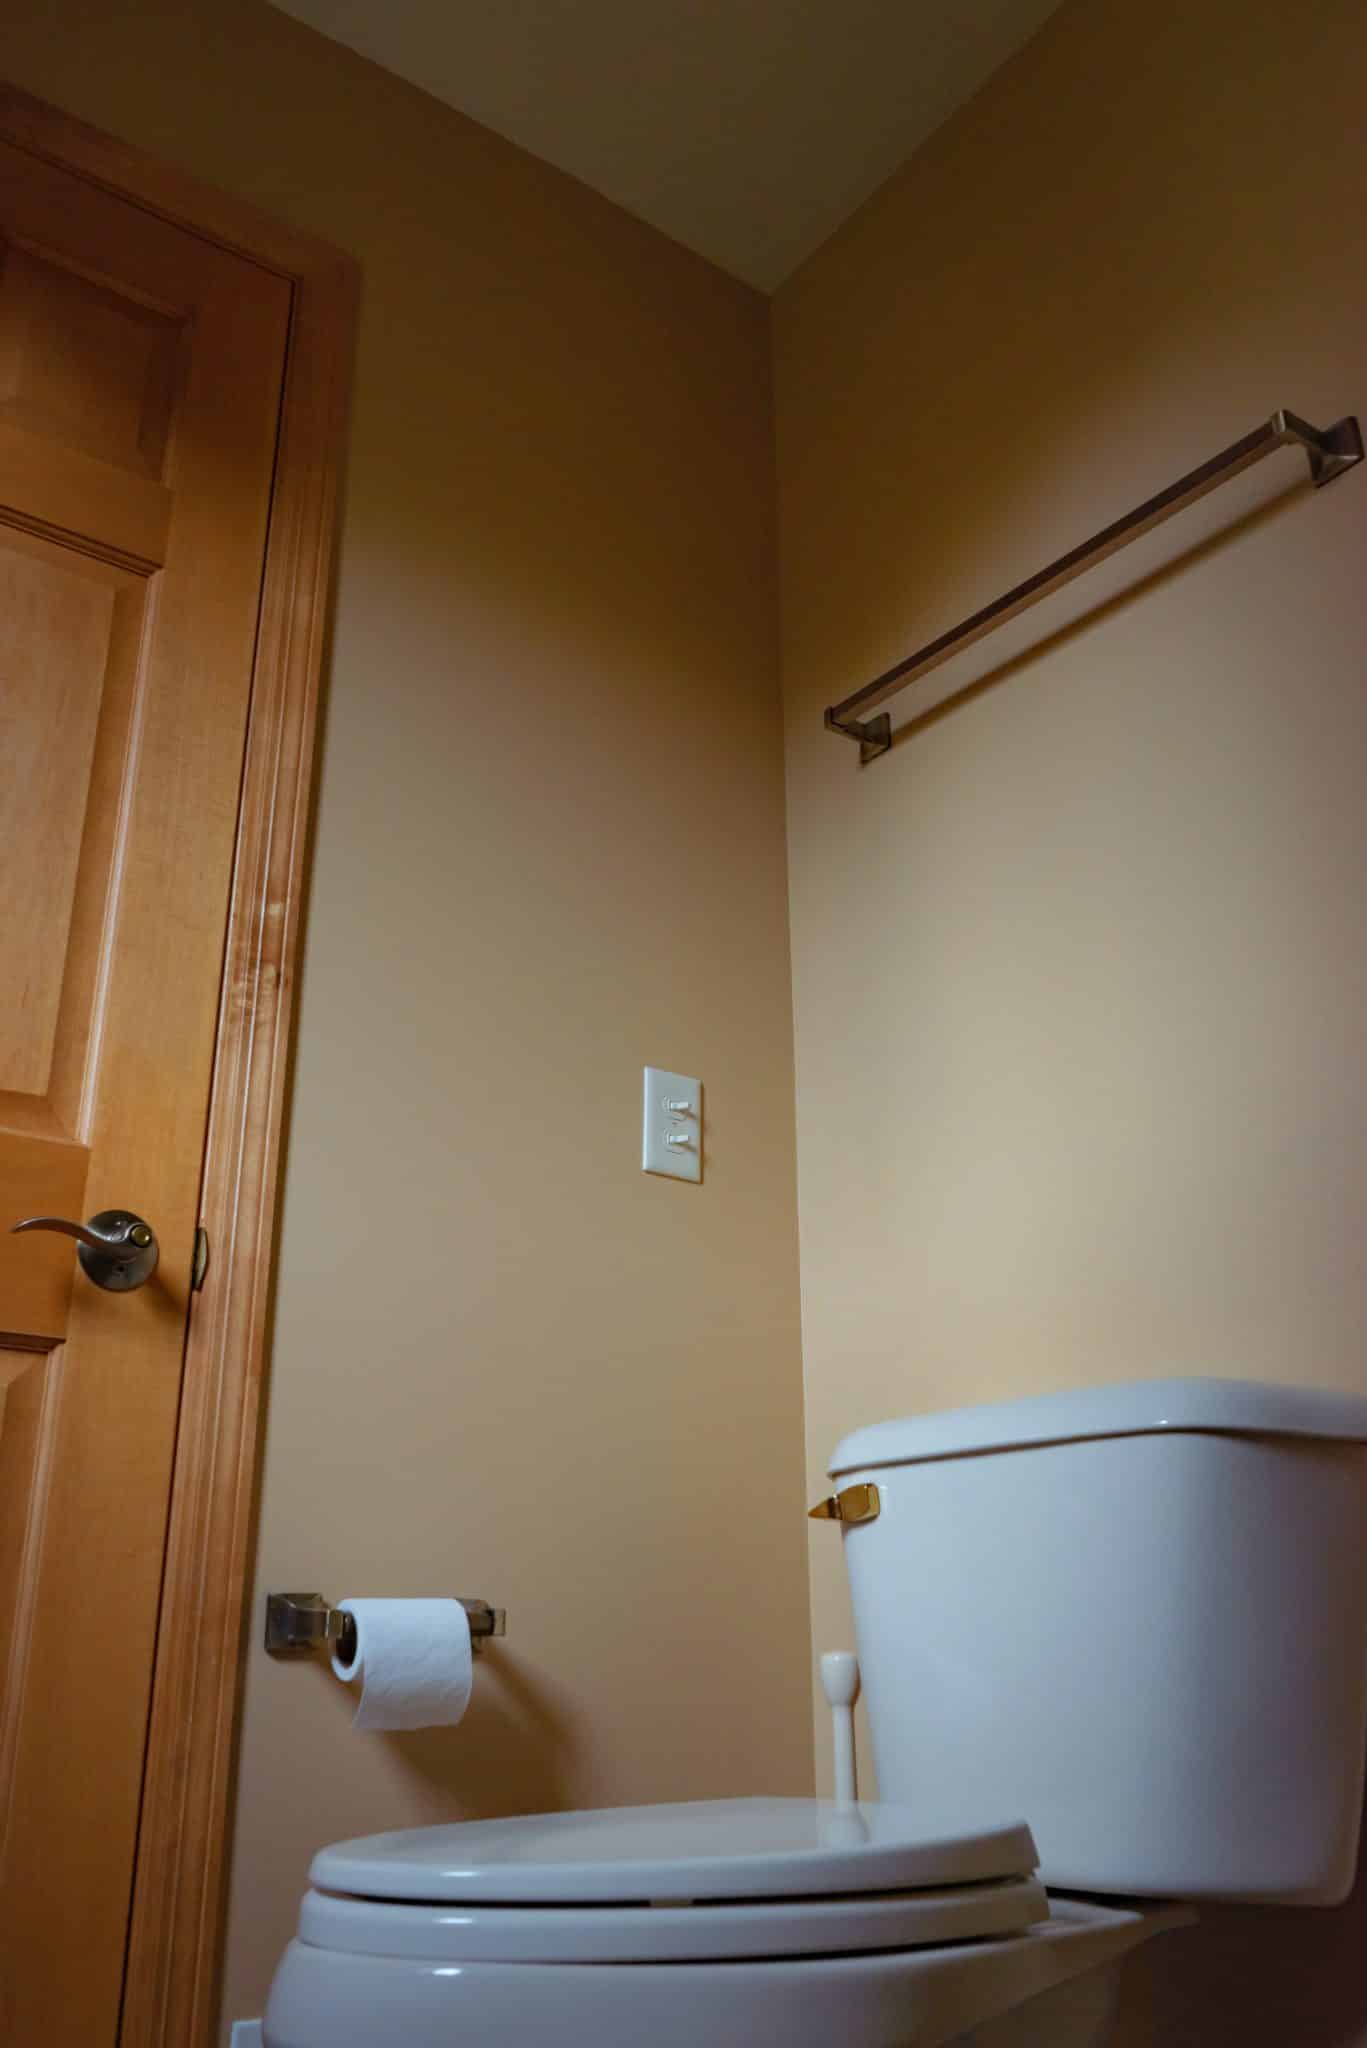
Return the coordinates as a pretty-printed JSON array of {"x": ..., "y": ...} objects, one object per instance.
[{"x": 1331, "y": 450}]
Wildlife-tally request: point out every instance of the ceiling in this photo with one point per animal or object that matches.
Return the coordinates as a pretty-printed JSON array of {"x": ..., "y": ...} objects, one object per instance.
[{"x": 746, "y": 129}]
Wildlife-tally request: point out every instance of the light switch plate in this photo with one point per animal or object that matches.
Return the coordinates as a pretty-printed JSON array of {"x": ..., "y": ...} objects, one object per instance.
[
  {"x": 671, "y": 1127},
  {"x": 246, "y": 2034}
]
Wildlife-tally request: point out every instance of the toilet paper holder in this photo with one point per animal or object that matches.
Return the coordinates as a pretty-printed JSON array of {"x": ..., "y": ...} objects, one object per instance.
[{"x": 306, "y": 1621}]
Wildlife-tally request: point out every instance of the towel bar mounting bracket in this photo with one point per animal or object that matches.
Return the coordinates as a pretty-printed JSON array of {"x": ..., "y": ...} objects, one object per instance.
[{"x": 873, "y": 734}]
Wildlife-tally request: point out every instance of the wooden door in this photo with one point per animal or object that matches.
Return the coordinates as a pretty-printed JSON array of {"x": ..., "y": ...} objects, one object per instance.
[{"x": 140, "y": 385}]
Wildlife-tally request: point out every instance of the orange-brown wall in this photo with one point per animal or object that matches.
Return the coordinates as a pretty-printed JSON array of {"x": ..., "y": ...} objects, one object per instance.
[
  {"x": 549, "y": 850},
  {"x": 1080, "y": 969}
]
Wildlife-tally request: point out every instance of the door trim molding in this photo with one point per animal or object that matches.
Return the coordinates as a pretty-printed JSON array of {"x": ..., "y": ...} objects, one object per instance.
[{"x": 172, "y": 1977}]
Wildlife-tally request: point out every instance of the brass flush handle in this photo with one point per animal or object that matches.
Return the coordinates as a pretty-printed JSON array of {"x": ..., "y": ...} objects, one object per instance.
[{"x": 859, "y": 1503}]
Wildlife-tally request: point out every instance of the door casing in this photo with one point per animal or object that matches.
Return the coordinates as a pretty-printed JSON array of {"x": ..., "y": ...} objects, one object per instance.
[{"x": 171, "y": 1979}]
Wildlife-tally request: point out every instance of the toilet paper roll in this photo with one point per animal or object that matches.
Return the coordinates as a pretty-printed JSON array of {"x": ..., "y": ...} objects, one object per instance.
[{"x": 414, "y": 1661}]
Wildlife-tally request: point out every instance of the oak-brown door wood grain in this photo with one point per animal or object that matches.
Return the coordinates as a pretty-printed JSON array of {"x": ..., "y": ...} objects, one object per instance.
[{"x": 141, "y": 372}]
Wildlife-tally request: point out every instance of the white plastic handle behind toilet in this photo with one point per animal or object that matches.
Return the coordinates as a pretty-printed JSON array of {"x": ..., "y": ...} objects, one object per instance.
[{"x": 840, "y": 1683}]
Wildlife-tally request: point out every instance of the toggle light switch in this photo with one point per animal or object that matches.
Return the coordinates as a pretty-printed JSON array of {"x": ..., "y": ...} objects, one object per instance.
[{"x": 671, "y": 1139}]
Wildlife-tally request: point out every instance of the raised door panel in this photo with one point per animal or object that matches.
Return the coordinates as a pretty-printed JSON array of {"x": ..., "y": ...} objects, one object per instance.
[
  {"x": 90, "y": 377},
  {"x": 70, "y": 631},
  {"x": 30, "y": 1384},
  {"x": 38, "y": 1177},
  {"x": 85, "y": 364},
  {"x": 54, "y": 643}
]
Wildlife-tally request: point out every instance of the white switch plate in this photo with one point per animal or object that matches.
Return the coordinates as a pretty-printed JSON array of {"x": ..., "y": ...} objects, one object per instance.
[
  {"x": 671, "y": 1133},
  {"x": 246, "y": 2034}
]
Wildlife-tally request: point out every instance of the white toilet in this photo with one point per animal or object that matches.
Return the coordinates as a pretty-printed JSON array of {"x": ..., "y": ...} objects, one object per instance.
[{"x": 1133, "y": 1617}]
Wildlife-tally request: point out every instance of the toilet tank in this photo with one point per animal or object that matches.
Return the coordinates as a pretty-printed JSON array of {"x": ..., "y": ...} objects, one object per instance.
[{"x": 1135, "y": 1617}]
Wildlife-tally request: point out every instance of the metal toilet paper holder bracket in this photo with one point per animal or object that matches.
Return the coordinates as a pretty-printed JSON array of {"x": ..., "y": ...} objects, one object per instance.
[{"x": 299, "y": 1622}]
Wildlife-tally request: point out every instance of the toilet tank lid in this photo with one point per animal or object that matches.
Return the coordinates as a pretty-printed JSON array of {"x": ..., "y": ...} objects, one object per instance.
[{"x": 1136, "y": 1408}]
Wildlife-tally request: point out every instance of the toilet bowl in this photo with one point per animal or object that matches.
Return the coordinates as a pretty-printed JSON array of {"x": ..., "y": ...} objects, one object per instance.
[{"x": 731, "y": 1921}]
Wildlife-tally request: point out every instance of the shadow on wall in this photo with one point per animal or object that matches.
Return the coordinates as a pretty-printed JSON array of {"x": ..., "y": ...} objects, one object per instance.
[
  {"x": 1255, "y": 1976},
  {"x": 1111, "y": 605},
  {"x": 514, "y": 1752}
]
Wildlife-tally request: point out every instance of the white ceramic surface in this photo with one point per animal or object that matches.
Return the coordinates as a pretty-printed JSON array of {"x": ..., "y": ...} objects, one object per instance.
[
  {"x": 1155, "y": 1646},
  {"x": 702, "y": 1849},
  {"x": 671, "y": 1933},
  {"x": 919, "y": 1998},
  {"x": 1246, "y": 1407}
]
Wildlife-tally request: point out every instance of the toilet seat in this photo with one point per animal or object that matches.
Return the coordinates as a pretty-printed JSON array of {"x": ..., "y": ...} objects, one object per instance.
[
  {"x": 461, "y": 1933},
  {"x": 706, "y": 1881}
]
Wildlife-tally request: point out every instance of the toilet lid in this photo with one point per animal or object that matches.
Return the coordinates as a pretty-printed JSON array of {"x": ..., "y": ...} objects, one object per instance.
[
  {"x": 459, "y": 1933},
  {"x": 706, "y": 1850}
]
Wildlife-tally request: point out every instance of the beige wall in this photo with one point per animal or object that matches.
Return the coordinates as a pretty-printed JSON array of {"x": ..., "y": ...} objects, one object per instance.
[
  {"x": 550, "y": 849},
  {"x": 1080, "y": 970}
]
